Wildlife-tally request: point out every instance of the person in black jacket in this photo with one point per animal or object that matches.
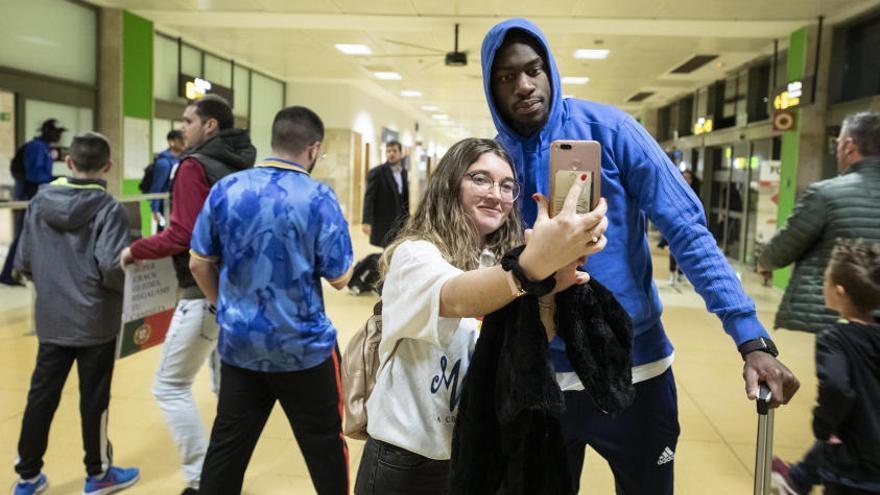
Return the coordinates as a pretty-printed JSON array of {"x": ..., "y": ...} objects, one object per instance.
[
  {"x": 386, "y": 202},
  {"x": 846, "y": 419},
  {"x": 843, "y": 207}
]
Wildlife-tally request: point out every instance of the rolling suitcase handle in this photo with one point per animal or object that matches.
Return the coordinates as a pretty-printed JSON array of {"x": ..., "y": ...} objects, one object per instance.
[{"x": 764, "y": 450}]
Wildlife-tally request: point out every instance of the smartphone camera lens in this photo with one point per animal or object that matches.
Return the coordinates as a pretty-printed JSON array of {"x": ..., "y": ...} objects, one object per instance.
[{"x": 565, "y": 146}]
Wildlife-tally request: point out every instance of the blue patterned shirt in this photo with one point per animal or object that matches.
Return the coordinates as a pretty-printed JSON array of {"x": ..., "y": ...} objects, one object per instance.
[{"x": 275, "y": 232}]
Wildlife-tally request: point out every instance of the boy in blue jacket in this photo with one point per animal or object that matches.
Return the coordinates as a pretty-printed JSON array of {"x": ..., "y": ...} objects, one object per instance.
[{"x": 523, "y": 89}]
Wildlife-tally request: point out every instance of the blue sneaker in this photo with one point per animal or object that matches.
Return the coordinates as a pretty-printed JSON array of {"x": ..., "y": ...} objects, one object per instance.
[
  {"x": 116, "y": 479},
  {"x": 32, "y": 487}
]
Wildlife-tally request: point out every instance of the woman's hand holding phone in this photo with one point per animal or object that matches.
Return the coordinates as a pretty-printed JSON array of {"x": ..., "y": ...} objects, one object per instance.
[{"x": 555, "y": 243}]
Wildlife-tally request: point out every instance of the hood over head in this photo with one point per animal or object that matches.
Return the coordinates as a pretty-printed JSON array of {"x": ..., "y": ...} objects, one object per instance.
[
  {"x": 230, "y": 146},
  {"x": 491, "y": 43},
  {"x": 69, "y": 204}
]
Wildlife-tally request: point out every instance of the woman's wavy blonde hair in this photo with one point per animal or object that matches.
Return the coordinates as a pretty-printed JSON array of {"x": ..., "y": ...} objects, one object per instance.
[{"x": 441, "y": 220}]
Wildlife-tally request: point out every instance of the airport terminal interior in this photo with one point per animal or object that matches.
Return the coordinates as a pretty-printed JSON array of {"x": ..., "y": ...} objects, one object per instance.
[{"x": 746, "y": 97}]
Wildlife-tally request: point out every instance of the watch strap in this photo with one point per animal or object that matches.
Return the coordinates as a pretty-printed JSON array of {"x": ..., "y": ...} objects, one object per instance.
[{"x": 763, "y": 344}]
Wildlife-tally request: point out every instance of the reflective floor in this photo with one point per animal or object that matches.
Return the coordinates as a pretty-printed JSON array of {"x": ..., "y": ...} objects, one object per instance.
[{"x": 715, "y": 453}]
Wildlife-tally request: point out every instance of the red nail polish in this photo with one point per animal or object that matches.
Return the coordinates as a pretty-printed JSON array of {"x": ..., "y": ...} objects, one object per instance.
[{"x": 583, "y": 176}]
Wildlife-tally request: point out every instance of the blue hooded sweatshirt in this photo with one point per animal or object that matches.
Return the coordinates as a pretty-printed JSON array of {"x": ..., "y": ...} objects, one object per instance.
[
  {"x": 639, "y": 183},
  {"x": 162, "y": 167}
]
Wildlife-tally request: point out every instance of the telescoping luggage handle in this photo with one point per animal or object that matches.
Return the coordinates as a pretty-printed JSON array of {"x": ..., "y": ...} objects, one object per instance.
[{"x": 764, "y": 451}]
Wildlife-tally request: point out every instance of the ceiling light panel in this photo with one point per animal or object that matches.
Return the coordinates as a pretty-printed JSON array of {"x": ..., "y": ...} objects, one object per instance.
[
  {"x": 575, "y": 80},
  {"x": 349, "y": 49},
  {"x": 591, "y": 54},
  {"x": 388, "y": 76},
  {"x": 411, "y": 93},
  {"x": 430, "y": 108}
]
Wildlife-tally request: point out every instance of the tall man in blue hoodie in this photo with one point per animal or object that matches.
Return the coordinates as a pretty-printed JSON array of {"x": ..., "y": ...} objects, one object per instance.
[{"x": 522, "y": 86}]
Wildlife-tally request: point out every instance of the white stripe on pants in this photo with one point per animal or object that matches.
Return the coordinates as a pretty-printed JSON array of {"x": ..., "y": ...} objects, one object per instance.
[{"x": 191, "y": 340}]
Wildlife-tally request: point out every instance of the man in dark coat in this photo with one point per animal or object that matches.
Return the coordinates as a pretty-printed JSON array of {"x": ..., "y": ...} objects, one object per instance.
[
  {"x": 386, "y": 202},
  {"x": 842, "y": 207}
]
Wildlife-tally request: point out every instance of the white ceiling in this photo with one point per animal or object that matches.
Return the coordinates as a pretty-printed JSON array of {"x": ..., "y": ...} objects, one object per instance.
[{"x": 295, "y": 39}]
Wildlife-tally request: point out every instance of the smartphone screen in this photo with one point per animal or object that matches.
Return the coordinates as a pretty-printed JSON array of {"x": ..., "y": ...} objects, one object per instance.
[
  {"x": 563, "y": 180},
  {"x": 568, "y": 161}
]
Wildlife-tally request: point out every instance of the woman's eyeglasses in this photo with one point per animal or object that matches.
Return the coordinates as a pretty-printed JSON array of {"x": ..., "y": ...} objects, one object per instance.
[{"x": 508, "y": 188}]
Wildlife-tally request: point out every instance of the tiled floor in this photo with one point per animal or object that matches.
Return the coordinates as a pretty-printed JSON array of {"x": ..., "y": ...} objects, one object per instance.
[{"x": 715, "y": 453}]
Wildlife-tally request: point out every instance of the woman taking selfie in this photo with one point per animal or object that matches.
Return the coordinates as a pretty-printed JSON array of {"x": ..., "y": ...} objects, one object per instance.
[{"x": 440, "y": 275}]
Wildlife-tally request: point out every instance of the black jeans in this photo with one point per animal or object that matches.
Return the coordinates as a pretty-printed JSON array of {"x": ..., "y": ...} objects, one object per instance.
[
  {"x": 312, "y": 401},
  {"x": 9, "y": 263},
  {"x": 805, "y": 474},
  {"x": 389, "y": 470},
  {"x": 835, "y": 489},
  {"x": 94, "y": 364}
]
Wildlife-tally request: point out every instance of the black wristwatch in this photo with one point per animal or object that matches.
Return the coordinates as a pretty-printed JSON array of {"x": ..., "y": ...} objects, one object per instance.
[
  {"x": 762, "y": 344},
  {"x": 510, "y": 263}
]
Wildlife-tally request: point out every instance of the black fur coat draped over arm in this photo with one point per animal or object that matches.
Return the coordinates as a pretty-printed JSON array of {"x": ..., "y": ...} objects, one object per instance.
[{"x": 508, "y": 436}]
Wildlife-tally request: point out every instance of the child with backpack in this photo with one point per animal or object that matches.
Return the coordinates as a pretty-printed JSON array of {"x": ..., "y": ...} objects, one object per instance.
[{"x": 73, "y": 234}]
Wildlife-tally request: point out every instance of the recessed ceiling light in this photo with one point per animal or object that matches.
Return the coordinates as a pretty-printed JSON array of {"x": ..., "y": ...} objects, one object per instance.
[
  {"x": 411, "y": 93},
  {"x": 349, "y": 49},
  {"x": 575, "y": 80},
  {"x": 430, "y": 108},
  {"x": 440, "y": 116},
  {"x": 591, "y": 54},
  {"x": 388, "y": 76}
]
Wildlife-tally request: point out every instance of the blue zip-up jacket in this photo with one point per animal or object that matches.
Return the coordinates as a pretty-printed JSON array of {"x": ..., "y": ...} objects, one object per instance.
[
  {"x": 639, "y": 183},
  {"x": 162, "y": 166},
  {"x": 38, "y": 162}
]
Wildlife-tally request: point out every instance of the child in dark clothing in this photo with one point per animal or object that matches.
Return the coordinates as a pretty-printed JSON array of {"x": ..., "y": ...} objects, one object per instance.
[
  {"x": 73, "y": 234},
  {"x": 846, "y": 419}
]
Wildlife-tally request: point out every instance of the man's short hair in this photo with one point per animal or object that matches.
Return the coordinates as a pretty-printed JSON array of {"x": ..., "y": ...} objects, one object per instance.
[
  {"x": 295, "y": 129},
  {"x": 394, "y": 143},
  {"x": 855, "y": 265},
  {"x": 214, "y": 107},
  {"x": 174, "y": 135},
  {"x": 89, "y": 151},
  {"x": 864, "y": 129}
]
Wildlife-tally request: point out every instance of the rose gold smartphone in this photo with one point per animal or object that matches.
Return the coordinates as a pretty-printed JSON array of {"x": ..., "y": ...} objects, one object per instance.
[{"x": 568, "y": 160}]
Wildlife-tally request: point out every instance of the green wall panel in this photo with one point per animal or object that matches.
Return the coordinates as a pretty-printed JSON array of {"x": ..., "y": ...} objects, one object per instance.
[
  {"x": 791, "y": 141},
  {"x": 797, "y": 55},
  {"x": 137, "y": 66}
]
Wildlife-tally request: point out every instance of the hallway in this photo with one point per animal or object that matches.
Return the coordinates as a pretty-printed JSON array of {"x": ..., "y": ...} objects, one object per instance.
[{"x": 715, "y": 453}]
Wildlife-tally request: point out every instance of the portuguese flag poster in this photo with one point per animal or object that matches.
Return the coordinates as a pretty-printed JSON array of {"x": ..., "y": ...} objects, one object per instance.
[
  {"x": 144, "y": 333},
  {"x": 148, "y": 304}
]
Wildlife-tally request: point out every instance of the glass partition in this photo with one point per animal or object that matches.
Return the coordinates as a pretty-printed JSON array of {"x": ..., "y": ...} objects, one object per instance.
[
  {"x": 241, "y": 86},
  {"x": 57, "y": 38},
  {"x": 164, "y": 68},
  {"x": 267, "y": 98},
  {"x": 75, "y": 119},
  {"x": 218, "y": 71}
]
